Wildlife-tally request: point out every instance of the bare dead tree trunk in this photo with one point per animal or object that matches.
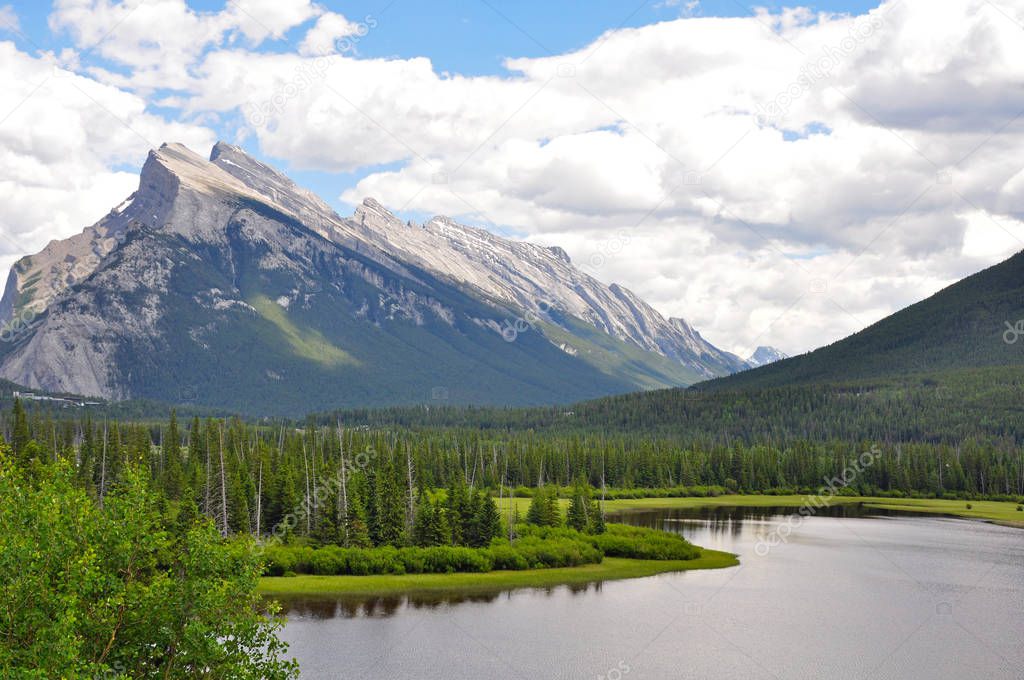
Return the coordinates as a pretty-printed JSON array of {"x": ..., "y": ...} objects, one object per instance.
[
  {"x": 315, "y": 498},
  {"x": 410, "y": 515},
  {"x": 103, "y": 466},
  {"x": 343, "y": 509},
  {"x": 207, "y": 507},
  {"x": 259, "y": 499},
  {"x": 305, "y": 465},
  {"x": 602, "y": 485},
  {"x": 511, "y": 501},
  {"x": 223, "y": 487}
]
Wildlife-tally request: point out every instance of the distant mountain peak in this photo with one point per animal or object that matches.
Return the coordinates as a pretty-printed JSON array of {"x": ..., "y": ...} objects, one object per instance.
[{"x": 765, "y": 354}]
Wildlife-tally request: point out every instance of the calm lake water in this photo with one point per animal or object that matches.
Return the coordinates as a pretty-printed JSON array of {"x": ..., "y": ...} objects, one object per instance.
[{"x": 844, "y": 596}]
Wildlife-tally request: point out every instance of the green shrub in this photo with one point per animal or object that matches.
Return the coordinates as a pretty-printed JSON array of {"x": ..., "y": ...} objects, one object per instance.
[
  {"x": 538, "y": 547},
  {"x": 506, "y": 557},
  {"x": 644, "y": 544}
]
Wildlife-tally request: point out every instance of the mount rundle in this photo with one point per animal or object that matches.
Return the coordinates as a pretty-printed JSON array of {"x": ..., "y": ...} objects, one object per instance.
[{"x": 223, "y": 283}]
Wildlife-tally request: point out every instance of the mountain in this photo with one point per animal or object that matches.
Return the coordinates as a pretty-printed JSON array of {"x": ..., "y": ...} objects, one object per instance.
[
  {"x": 974, "y": 323},
  {"x": 764, "y": 355},
  {"x": 223, "y": 283},
  {"x": 525, "y": 275}
]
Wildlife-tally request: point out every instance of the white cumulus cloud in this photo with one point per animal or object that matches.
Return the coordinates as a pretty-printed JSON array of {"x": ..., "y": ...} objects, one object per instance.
[{"x": 783, "y": 178}]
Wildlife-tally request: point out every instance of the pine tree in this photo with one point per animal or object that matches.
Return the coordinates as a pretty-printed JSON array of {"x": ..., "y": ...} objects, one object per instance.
[
  {"x": 440, "y": 532},
  {"x": 87, "y": 457},
  {"x": 371, "y": 505},
  {"x": 543, "y": 509},
  {"x": 357, "y": 533},
  {"x": 424, "y": 523},
  {"x": 456, "y": 502},
  {"x": 489, "y": 519},
  {"x": 554, "y": 512},
  {"x": 21, "y": 436},
  {"x": 174, "y": 473},
  {"x": 390, "y": 509},
  {"x": 596, "y": 519},
  {"x": 188, "y": 513},
  {"x": 473, "y": 530},
  {"x": 576, "y": 517}
]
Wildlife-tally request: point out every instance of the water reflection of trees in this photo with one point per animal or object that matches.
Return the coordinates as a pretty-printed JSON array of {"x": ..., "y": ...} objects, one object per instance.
[
  {"x": 383, "y": 606},
  {"x": 718, "y": 521},
  {"x": 726, "y": 519}
]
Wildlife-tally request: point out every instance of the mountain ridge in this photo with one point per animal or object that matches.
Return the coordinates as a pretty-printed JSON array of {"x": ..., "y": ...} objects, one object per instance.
[{"x": 207, "y": 249}]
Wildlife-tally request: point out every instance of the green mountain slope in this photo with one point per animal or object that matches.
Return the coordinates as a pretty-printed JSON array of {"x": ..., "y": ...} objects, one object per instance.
[
  {"x": 361, "y": 336},
  {"x": 962, "y": 326}
]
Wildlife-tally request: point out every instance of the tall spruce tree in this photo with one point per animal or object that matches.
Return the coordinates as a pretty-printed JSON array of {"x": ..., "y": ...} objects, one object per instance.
[{"x": 390, "y": 508}]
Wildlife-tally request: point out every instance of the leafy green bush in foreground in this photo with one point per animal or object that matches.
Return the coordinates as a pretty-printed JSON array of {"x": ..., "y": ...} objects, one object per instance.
[{"x": 115, "y": 588}]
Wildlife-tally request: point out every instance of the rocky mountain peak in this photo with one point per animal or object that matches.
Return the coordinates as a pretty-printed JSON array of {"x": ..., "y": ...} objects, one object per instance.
[
  {"x": 682, "y": 324},
  {"x": 372, "y": 213},
  {"x": 269, "y": 183},
  {"x": 198, "y": 199},
  {"x": 560, "y": 253},
  {"x": 189, "y": 169},
  {"x": 765, "y": 354}
]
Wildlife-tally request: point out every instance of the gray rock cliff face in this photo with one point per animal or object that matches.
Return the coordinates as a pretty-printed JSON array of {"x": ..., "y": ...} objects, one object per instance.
[
  {"x": 192, "y": 255},
  {"x": 523, "y": 274}
]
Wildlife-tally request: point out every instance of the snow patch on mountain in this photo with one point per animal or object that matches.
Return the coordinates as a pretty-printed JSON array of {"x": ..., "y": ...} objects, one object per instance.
[{"x": 765, "y": 355}]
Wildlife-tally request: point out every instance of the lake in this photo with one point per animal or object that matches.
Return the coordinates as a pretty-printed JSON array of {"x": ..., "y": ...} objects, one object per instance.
[{"x": 843, "y": 594}]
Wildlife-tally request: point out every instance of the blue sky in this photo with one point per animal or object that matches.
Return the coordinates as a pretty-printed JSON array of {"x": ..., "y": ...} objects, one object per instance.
[
  {"x": 473, "y": 37},
  {"x": 465, "y": 37}
]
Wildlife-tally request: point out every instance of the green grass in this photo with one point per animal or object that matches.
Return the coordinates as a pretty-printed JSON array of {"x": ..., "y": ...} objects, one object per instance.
[
  {"x": 612, "y": 568},
  {"x": 996, "y": 511},
  {"x": 305, "y": 343},
  {"x": 617, "y": 358}
]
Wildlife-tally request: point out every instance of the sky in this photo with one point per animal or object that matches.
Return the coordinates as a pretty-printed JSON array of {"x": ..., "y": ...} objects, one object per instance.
[{"x": 775, "y": 174}]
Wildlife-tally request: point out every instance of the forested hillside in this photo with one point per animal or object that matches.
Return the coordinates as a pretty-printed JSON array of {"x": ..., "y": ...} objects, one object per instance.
[
  {"x": 941, "y": 407},
  {"x": 248, "y": 476},
  {"x": 972, "y": 323}
]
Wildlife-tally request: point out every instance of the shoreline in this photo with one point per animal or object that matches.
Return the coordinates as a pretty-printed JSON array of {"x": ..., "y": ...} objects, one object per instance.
[
  {"x": 610, "y": 569},
  {"x": 1003, "y": 513}
]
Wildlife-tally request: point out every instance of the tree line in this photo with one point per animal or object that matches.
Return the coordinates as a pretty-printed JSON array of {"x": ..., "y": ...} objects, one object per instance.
[{"x": 360, "y": 486}]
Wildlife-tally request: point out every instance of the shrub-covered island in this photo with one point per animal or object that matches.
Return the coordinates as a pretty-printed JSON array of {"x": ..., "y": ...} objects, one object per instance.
[
  {"x": 459, "y": 531},
  {"x": 532, "y": 548}
]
